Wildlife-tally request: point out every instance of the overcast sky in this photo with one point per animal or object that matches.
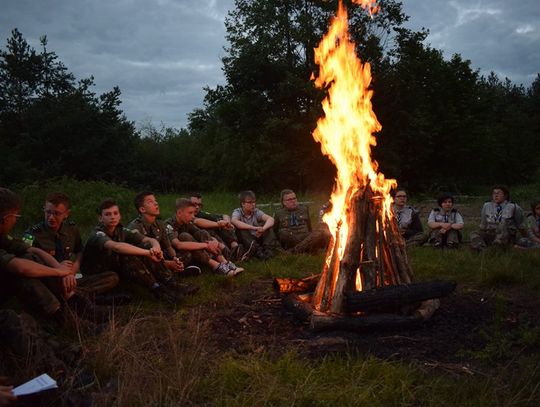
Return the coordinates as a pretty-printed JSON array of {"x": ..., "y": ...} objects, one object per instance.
[{"x": 161, "y": 53}]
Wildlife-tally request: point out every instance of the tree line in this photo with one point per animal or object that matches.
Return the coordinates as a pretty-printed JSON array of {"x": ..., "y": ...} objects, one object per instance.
[{"x": 445, "y": 126}]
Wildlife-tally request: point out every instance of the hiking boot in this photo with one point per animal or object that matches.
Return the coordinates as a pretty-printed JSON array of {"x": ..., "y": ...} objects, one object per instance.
[
  {"x": 233, "y": 268},
  {"x": 226, "y": 271},
  {"x": 164, "y": 293},
  {"x": 86, "y": 309}
]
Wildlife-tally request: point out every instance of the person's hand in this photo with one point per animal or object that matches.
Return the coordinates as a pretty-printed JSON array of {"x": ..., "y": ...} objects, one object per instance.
[
  {"x": 69, "y": 283},
  {"x": 259, "y": 231},
  {"x": 174, "y": 265},
  {"x": 68, "y": 263},
  {"x": 6, "y": 395},
  {"x": 65, "y": 269},
  {"x": 221, "y": 224},
  {"x": 213, "y": 246},
  {"x": 156, "y": 255}
]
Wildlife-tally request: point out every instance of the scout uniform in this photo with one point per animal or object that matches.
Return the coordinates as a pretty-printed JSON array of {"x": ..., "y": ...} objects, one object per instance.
[
  {"x": 35, "y": 293},
  {"x": 409, "y": 223},
  {"x": 452, "y": 237},
  {"x": 188, "y": 233},
  {"x": 98, "y": 259},
  {"x": 248, "y": 238},
  {"x": 222, "y": 235},
  {"x": 499, "y": 224},
  {"x": 293, "y": 229},
  {"x": 66, "y": 245},
  {"x": 533, "y": 230}
]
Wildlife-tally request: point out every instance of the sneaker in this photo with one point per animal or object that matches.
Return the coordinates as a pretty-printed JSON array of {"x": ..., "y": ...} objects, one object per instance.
[
  {"x": 233, "y": 268},
  {"x": 164, "y": 293},
  {"x": 225, "y": 270},
  {"x": 190, "y": 271}
]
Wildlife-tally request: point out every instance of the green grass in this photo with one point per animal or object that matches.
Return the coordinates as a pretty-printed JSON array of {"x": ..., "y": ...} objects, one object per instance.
[{"x": 159, "y": 355}]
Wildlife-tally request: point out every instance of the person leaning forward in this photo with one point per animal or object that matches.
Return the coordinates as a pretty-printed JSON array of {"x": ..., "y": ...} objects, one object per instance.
[
  {"x": 38, "y": 280},
  {"x": 111, "y": 247},
  {"x": 60, "y": 237}
]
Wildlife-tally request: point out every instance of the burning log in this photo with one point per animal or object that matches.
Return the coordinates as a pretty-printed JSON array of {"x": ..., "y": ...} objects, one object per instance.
[
  {"x": 295, "y": 285},
  {"x": 393, "y": 298}
]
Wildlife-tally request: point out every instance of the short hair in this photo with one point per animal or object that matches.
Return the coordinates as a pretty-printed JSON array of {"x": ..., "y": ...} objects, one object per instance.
[
  {"x": 246, "y": 194},
  {"x": 398, "y": 189},
  {"x": 57, "y": 198},
  {"x": 106, "y": 204},
  {"x": 139, "y": 199},
  {"x": 183, "y": 203},
  {"x": 444, "y": 197},
  {"x": 196, "y": 195},
  {"x": 503, "y": 188},
  {"x": 9, "y": 201},
  {"x": 534, "y": 204},
  {"x": 285, "y": 192}
]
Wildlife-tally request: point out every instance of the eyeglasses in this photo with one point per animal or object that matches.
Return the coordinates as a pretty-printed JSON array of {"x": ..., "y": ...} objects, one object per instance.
[
  {"x": 290, "y": 199},
  {"x": 56, "y": 214},
  {"x": 250, "y": 202},
  {"x": 401, "y": 196}
]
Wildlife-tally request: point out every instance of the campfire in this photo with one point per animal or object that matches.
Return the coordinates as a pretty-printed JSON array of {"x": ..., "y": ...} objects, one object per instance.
[{"x": 366, "y": 278}]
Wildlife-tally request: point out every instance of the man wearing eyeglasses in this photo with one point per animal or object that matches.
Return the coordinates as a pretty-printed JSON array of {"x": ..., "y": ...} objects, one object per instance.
[
  {"x": 408, "y": 220},
  {"x": 293, "y": 226},
  {"x": 60, "y": 237}
]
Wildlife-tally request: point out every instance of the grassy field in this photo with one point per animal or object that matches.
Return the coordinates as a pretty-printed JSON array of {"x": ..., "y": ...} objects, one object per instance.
[{"x": 216, "y": 350}]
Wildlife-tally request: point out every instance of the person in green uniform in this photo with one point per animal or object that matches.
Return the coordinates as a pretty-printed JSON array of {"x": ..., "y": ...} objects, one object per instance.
[
  {"x": 38, "y": 280},
  {"x": 112, "y": 247},
  {"x": 194, "y": 245},
  {"x": 60, "y": 237},
  {"x": 292, "y": 225}
]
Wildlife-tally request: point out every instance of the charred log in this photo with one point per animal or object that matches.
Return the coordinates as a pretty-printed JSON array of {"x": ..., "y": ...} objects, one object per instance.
[{"x": 393, "y": 298}]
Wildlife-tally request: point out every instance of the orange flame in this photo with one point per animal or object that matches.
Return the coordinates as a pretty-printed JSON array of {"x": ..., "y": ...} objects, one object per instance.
[{"x": 346, "y": 130}]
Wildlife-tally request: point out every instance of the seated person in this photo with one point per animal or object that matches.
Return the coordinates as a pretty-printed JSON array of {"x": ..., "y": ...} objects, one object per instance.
[
  {"x": 500, "y": 220},
  {"x": 38, "y": 280},
  {"x": 194, "y": 245},
  {"x": 292, "y": 225},
  {"x": 111, "y": 247},
  {"x": 533, "y": 229},
  {"x": 60, "y": 237},
  {"x": 408, "y": 220},
  {"x": 219, "y": 227},
  {"x": 445, "y": 223},
  {"x": 254, "y": 227}
]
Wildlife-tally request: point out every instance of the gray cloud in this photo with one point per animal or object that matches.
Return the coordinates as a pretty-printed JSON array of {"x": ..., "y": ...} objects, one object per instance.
[{"x": 161, "y": 53}]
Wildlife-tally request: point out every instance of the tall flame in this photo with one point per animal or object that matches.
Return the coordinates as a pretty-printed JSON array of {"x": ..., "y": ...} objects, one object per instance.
[{"x": 346, "y": 130}]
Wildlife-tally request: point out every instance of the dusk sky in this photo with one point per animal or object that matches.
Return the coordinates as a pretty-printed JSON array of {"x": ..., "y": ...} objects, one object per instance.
[{"x": 161, "y": 53}]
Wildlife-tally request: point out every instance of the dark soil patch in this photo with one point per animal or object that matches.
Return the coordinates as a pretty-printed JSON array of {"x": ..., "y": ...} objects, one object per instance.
[{"x": 454, "y": 338}]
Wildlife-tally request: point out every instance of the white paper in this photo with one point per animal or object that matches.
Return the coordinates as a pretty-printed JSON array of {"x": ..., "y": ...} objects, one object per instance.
[{"x": 40, "y": 383}]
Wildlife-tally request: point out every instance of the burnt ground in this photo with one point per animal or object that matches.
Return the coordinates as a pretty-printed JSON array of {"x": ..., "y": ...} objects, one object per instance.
[{"x": 473, "y": 326}]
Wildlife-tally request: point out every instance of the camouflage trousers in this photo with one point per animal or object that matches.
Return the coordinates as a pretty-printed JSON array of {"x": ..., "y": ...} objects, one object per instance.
[
  {"x": 501, "y": 236},
  {"x": 143, "y": 271},
  {"x": 193, "y": 257}
]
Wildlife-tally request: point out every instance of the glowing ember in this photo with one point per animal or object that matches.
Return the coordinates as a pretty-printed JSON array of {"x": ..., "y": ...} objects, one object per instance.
[{"x": 346, "y": 136}]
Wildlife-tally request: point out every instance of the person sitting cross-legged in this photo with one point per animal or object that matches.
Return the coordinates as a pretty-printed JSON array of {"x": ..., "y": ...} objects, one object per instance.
[
  {"x": 194, "y": 245},
  {"x": 112, "y": 247},
  {"x": 254, "y": 227},
  {"x": 532, "y": 241},
  {"x": 408, "y": 220}
]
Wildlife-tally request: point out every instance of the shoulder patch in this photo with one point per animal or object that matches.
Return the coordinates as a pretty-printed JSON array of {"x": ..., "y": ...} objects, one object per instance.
[
  {"x": 100, "y": 233},
  {"x": 36, "y": 227},
  {"x": 71, "y": 222}
]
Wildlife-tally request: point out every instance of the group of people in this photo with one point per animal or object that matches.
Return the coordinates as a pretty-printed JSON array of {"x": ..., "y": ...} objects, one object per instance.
[
  {"x": 502, "y": 223},
  {"x": 54, "y": 275}
]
